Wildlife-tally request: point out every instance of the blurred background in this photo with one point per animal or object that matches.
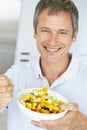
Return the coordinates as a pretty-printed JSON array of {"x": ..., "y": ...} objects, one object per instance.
[
  {"x": 16, "y": 36},
  {"x": 9, "y": 21}
]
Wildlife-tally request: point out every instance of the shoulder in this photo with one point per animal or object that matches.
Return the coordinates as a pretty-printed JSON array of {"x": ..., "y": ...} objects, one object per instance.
[
  {"x": 17, "y": 68},
  {"x": 82, "y": 72},
  {"x": 83, "y": 68},
  {"x": 22, "y": 68},
  {"x": 76, "y": 63},
  {"x": 78, "y": 68}
]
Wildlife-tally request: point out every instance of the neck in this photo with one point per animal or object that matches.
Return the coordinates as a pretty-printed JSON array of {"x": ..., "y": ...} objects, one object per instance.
[{"x": 54, "y": 70}]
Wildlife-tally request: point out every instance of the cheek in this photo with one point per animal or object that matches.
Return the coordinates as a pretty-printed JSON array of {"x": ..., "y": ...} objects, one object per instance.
[
  {"x": 68, "y": 46},
  {"x": 67, "y": 41},
  {"x": 43, "y": 37}
]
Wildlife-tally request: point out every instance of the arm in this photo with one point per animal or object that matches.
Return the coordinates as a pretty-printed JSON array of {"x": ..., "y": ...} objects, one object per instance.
[
  {"x": 73, "y": 120},
  {"x": 6, "y": 91}
]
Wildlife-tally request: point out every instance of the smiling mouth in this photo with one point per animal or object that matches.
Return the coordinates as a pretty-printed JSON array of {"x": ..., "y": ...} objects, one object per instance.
[{"x": 53, "y": 49}]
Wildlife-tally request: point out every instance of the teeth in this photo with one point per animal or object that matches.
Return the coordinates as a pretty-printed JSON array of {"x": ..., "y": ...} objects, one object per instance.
[{"x": 52, "y": 49}]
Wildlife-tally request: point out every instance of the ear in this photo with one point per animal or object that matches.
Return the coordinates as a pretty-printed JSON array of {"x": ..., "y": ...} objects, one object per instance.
[
  {"x": 75, "y": 35},
  {"x": 34, "y": 35}
]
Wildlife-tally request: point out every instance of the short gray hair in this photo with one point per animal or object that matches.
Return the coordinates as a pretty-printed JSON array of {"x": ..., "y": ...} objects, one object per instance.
[{"x": 55, "y": 6}]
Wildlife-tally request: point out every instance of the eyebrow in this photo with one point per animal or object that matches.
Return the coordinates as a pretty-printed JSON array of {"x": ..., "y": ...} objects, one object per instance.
[
  {"x": 64, "y": 30},
  {"x": 45, "y": 28}
]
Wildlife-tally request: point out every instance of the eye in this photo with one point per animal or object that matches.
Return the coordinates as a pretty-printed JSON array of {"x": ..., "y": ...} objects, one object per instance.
[
  {"x": 63, "y": 32},
  {"x": 44, "y": 30}
]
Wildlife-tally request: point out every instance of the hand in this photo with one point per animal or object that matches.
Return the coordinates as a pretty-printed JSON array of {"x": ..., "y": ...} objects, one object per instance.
[
  {"x": 71, "y": 121},
  {"x": 6, "y": 90}
]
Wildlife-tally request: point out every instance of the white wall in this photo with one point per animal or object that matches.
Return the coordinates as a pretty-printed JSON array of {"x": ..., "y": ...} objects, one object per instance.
[
  {"x": 26, "y": 42},
  {"x": 81, "y": 43}
]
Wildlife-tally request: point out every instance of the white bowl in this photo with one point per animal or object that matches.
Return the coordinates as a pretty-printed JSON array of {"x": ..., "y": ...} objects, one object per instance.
[{"x": 36, "y": 115}]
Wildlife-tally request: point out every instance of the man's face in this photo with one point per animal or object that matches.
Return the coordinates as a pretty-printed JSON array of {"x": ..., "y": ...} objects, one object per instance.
[{"x": 54, "y": 36}]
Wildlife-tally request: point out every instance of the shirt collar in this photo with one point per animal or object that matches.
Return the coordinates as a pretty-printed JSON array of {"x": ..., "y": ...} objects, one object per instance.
[
  {"x": 36, "y": 68},
  {"x": 70, "y": 73}
]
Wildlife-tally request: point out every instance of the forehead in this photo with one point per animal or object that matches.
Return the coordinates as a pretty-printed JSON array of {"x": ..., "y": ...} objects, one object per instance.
[
  {"x": 59, "y": 18},
  {"x": 63, "y": 15}
]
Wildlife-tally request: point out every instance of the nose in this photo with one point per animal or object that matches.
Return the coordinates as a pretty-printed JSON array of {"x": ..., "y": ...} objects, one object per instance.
[{"x": 53, "y": 39}]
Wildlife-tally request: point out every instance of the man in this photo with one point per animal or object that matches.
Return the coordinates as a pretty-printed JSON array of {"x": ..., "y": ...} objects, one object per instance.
[{"x": 55, "y": 29}]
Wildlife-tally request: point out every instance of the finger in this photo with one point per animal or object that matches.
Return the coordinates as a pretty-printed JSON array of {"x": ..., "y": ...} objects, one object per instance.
[
  {"x": 6, "y": 99},
  {"x": 6, "y": 94},
  {"x": 6, "y": 88},
  {"x": 35, "y": 123},
  {"x": 2, "y": 104},
  {"x": 70, "y": 106},
  {"x": 47, "y": 124},
  {"x": 4, "y": 80},
  {"x": 38, "y": 124}
]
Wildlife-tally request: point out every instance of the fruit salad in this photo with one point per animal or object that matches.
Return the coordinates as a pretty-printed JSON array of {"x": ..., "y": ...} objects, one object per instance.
[{"x": 39, "y": 100}]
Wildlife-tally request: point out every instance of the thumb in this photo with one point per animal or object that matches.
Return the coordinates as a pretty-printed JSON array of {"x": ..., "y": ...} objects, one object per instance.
[{"x": 70, "y": 106}]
